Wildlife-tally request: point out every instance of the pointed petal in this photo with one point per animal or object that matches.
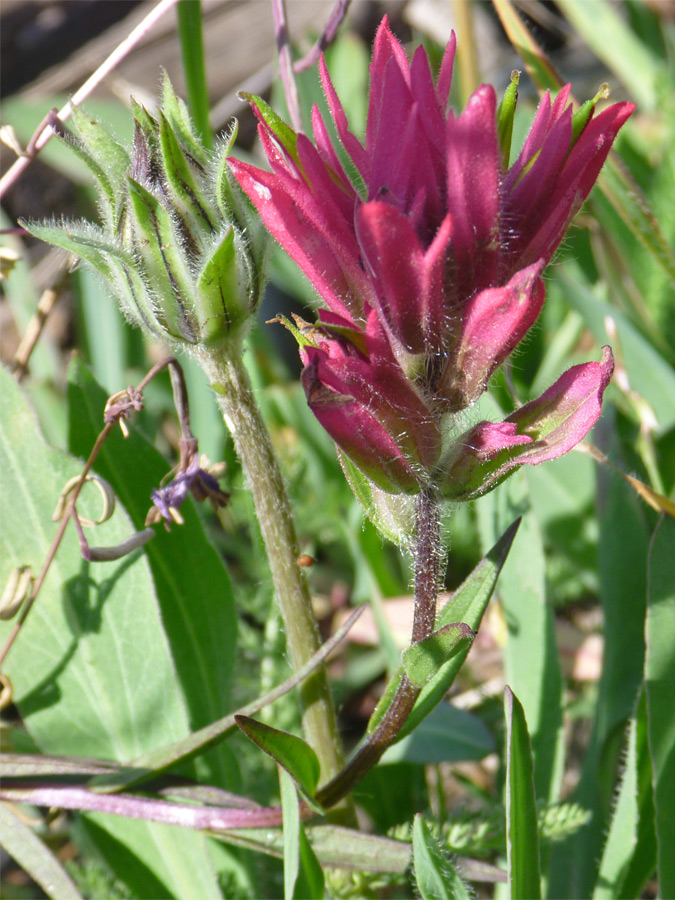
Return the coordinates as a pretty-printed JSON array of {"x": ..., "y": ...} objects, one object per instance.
[
  {"x": 351, "y": 144},
  {"x": 295, "y": 230},
  {"x": 566, "y": 190},
  {"x": 445, "y": 75},
  {"x": 541, "y": 430},
  {"x": 358, "y": 434},
  {"x": 473, "y": 200},
  {"x": 495, "y": 321},
  {"x": 409, "y": 282}
]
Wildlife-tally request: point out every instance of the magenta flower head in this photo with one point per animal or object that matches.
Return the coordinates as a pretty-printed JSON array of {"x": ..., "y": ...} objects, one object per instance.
[{"x": 428, "y": 257}]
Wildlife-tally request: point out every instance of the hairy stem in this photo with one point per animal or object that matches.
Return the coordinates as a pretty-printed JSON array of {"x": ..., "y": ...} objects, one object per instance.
[
  {"x": 427, "y": 563},
  {"x": 427, "y": 553},
  {"x": 233, "y": 390}
]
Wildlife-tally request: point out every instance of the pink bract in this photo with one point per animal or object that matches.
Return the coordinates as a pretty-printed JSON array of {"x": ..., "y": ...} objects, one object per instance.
[{"x": 431, "y": 268}]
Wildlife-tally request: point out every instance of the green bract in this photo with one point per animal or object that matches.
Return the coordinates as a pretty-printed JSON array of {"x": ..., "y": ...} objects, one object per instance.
[{"x": 175, "y": 242}]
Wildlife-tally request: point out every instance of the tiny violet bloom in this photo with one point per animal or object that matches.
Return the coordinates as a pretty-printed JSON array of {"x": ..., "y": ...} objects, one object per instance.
[
  {"x": 192, "y": 478},
  {"x": 429, "y": 258}
]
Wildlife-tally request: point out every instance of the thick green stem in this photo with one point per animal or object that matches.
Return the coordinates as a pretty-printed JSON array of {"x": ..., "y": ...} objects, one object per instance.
[
  {"x": 427, "y": 569},
  {"x": 230, "y": 381}
]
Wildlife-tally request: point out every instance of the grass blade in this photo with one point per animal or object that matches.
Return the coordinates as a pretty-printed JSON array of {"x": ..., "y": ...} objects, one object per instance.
[{"x": 522, "y": 831}]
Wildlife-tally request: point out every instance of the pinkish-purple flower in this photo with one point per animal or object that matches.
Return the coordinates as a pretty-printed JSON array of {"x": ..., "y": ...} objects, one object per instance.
[{"x": 430, "y": 268}]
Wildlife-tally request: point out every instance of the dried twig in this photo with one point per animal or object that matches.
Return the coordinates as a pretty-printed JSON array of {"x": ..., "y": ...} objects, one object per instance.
[{"x": 46, "y": 130}]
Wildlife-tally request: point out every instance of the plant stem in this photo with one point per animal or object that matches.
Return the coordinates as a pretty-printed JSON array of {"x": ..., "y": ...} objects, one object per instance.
[
  {"x": 427, "y": 554},
  {"x": 427, "y": 564},
  {"x": 192, "y": 53},
  {"x": 230, "y": 381}
]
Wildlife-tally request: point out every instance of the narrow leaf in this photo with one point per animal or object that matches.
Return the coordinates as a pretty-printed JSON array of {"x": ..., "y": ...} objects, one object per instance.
[
  {"x": 622, "y": 836},
  {"x": 102, "y": 146},
  {"x": 157, "y": 761},
  {"x": 435, "y": 875},
  {"x": 522, "y": 831},
  {"x": 423, "y": 660},
  {"x": 466, "y": 605},
  {"x": 660, "y": 686},
  {"x": 36, "y": 859},
  {"x": 186, "y": 193},
  {"x": 303, "y": 877},
  {"x": 68, "y": 237},
  {"x": 289, "y": 751}
]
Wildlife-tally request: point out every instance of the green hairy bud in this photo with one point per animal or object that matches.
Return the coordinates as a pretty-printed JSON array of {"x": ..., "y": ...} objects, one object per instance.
[{"x": 175, "y": 243}]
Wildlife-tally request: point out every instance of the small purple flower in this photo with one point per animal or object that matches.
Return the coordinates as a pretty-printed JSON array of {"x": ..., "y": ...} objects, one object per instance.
[
  {"x": 193, "y": 479},
  {"x": 431, "y": 268}
]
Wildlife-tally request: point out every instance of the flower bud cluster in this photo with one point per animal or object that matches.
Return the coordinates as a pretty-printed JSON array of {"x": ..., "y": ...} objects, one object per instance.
[{"x": 175, "y": 243}]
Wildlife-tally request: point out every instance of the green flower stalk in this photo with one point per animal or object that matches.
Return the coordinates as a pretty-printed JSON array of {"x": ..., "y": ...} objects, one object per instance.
[{"x": 183, "y": 254}]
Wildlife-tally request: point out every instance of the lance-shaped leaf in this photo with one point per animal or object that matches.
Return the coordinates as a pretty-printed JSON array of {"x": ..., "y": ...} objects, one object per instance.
[
  {"x": 177, "y": 114},
  {"x": 303, "y": 878},
  {"x": 421, "y": 661},
  {"x": 522, "y": 830},
  {"x": 467, "y": 604},
  {"x": 34, "y": 857},
  {"x": 107, "y": 159},
  {"x": 540, "y": 430},
  {"x": 224, "y": 291},
  {"x": 433, "y": 675},
  {"x": 435, "y": 874},
  {"x": 188, "y": 197},
  {"x": 159, "y": 244},
  {"x": 84, "y": 239},
  {"x": 289, "y": 751}
]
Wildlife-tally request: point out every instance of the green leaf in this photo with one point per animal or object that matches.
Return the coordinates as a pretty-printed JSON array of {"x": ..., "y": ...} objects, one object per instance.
[
  {"x": 110, "y": 155},
  {"x": 644, "y": 859},
  {"x": 34, "y": 857},
  {"x": 94, "y": 635},
  {"x": 660, "y": 687},
  {"x": 108, "y": 196},
  {"x": 150, "y": 764},
  {"x": 448, "y": 734},
  {"x": 189, "y": 199},
  {"x": 532, "y": 666},
  {"x": 422, "y": 660},
  {"x": 436, "y": 877},
  {"x": 86, "y": 241},
  {"x": 283, "y": 132},
  {"x": 622, "y": 836},
  {"x": 289, "y": 751},
  {"x": 611, "y": 39},
  {"x": 622, "y": 565},
  {"x": 303, "y": 877},
  {"x": 160, "y": 248},
  {"x": 222, "y": 301},
  {"x": 522, "y": 831},
  {"x": 193, "y": 588},
  {"x": 467, "y": 605}
]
